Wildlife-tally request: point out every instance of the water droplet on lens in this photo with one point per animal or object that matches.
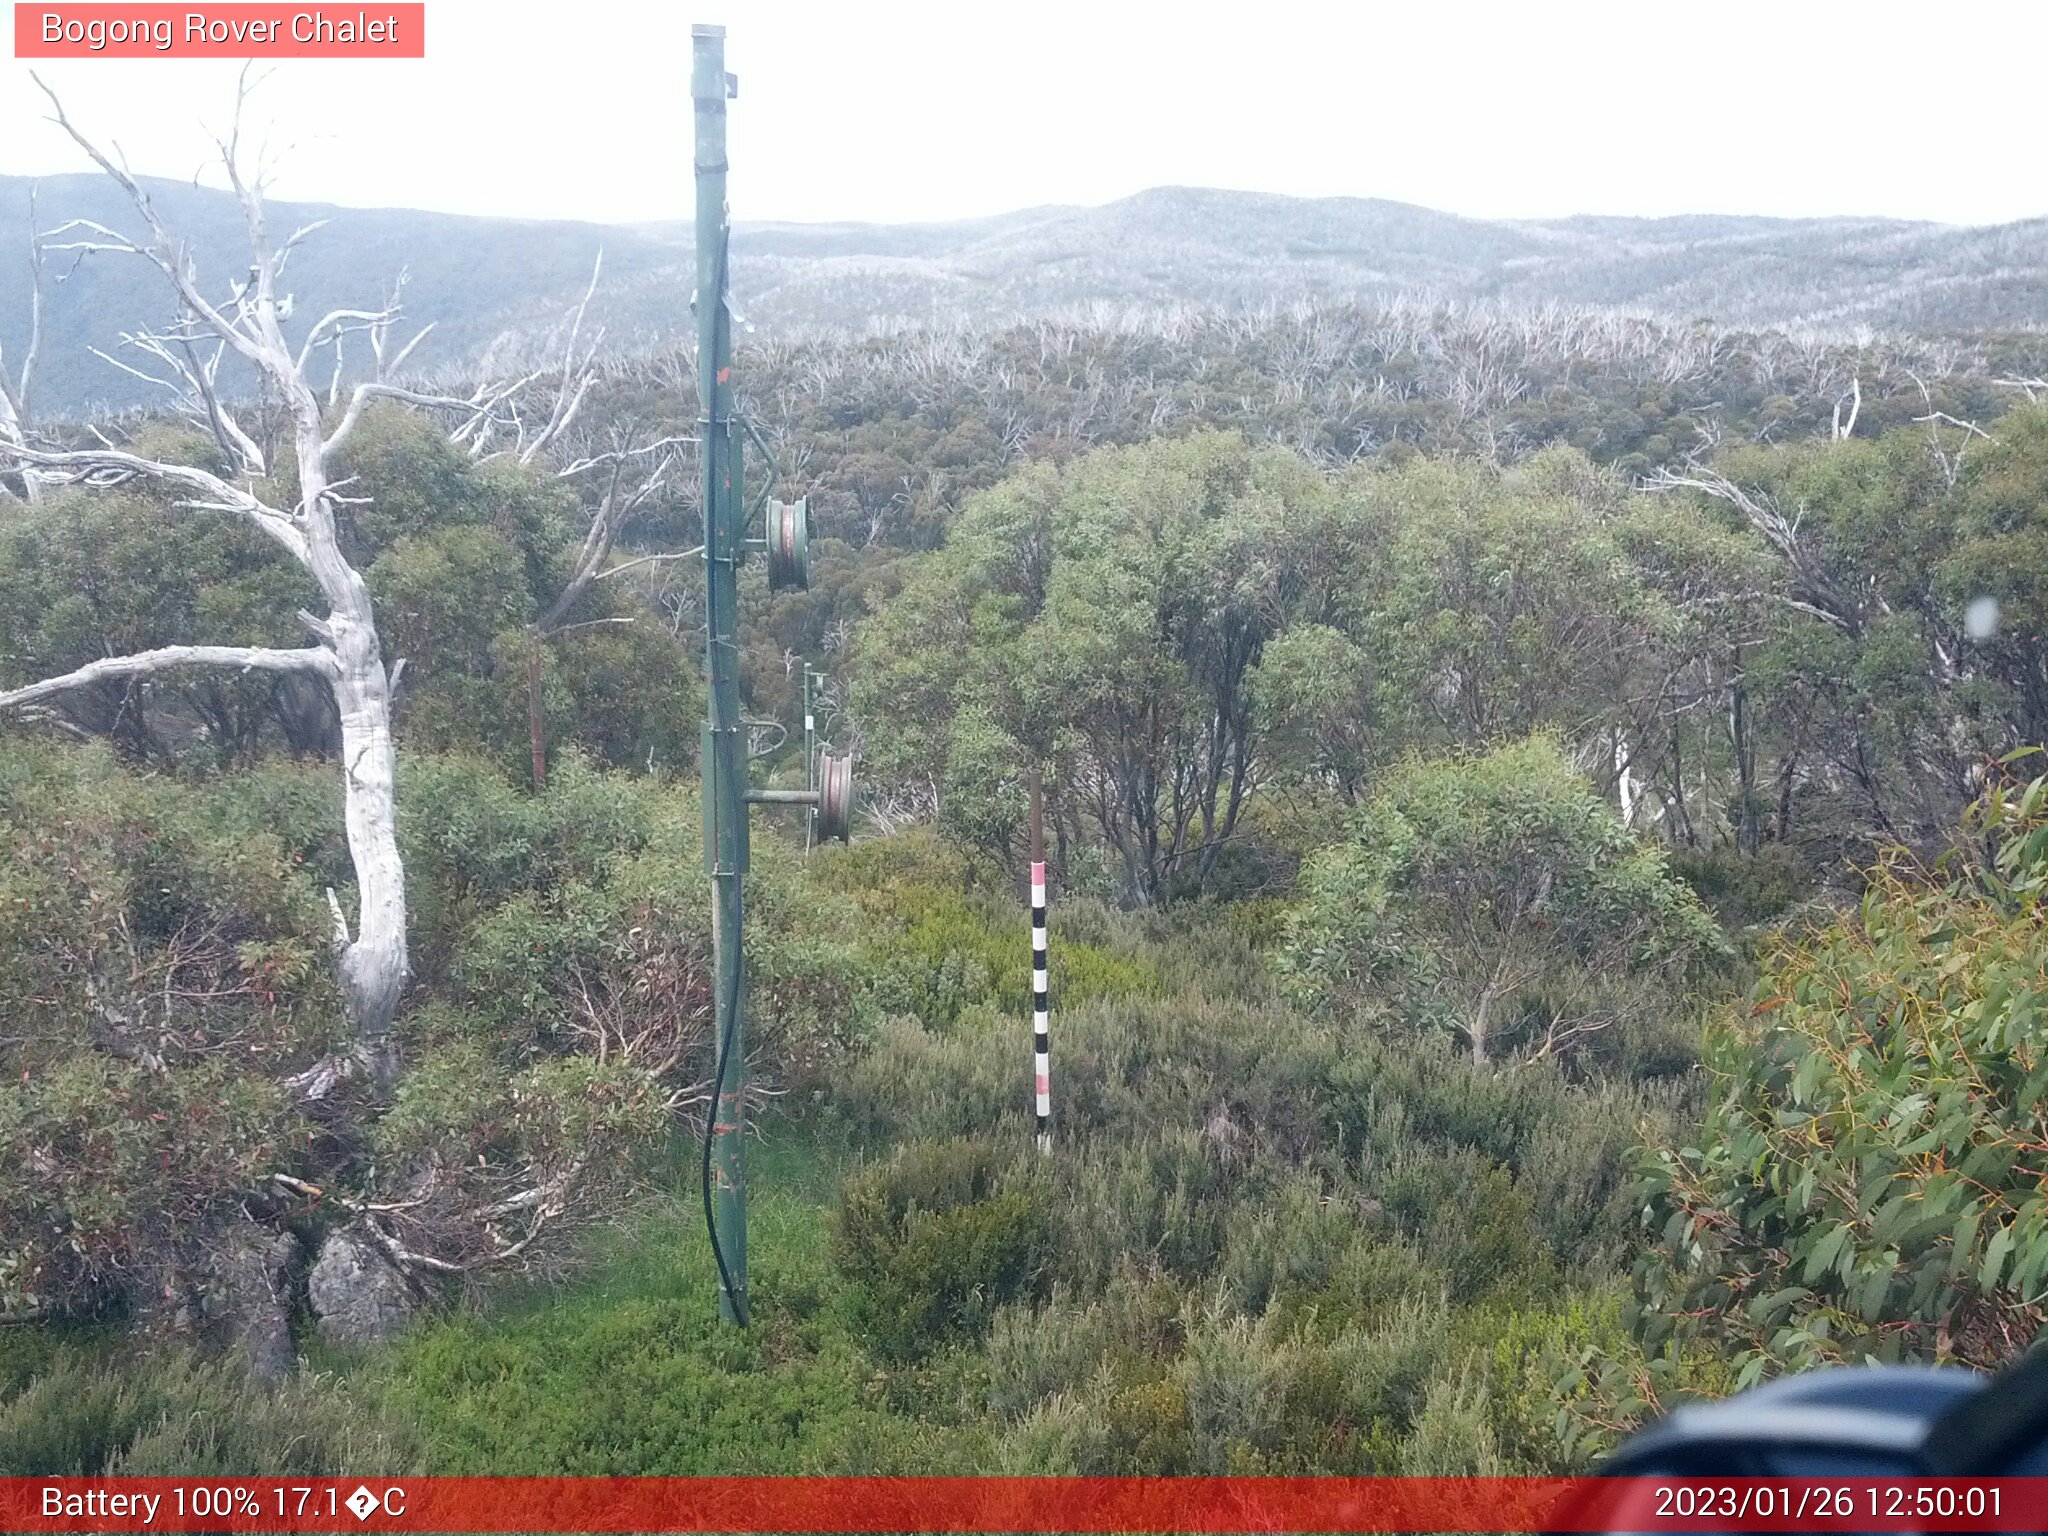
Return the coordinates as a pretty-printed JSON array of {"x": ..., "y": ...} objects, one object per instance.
[{"x": 1981, "y": 618}]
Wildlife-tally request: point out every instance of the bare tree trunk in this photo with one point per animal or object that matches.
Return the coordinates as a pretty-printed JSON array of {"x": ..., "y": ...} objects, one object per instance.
[
  {"x": 634, "y": 475},
  {"x": 16, "y": 394},
  {"x": 372, "y": 962},
  {"x": 1781, "y": 828},
  {"x": 1481, "y": 1022},
  {"x": 1681, "y": 812},
  {"x": 1502, "y": 979},
  {"x": 374, "y": 965}
]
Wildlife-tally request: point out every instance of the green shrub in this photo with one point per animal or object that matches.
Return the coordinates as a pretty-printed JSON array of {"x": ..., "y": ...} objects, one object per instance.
[
  {"x": 126, "y": 1416},
  {"x": 1387, "y": 1105},
  {"x": 1250, "y": 1396},
  {"x": 1866, "y": 1183},
  {"x": 157, "y": 978},
  {"x": 940, "y": 944},
  {"x": 1745, "y": 889},
  {"x": 1291, "y": 1241},
  {"x": 937, "y": 1238},
  {"x": 1861, "y": 1188},
  {"x": 1144, "y": 1430},
  {"x": 472, "y": 839},
  {"x": 1470, "y": 881},
  {"x": 1134, "y": 1329},
  {"x": 1474, "y": 1220},
  {"x": 1156, "y": 1197},
  {"x": 1453, "y": 1437},
  {"x": 1266, "y": 1141}
]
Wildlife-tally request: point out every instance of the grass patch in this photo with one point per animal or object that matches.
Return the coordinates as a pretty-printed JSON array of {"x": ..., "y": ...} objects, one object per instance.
[{"x": 629, "y": 1371}]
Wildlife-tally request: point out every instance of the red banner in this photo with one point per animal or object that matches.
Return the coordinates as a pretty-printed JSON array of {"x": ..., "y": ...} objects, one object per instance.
[
  {"x": 1051, "y": 1504},
  {"x": 234, "y": 31}
]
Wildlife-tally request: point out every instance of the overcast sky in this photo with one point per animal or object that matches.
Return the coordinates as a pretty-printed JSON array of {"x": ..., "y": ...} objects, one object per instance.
[{"x": 893, "y": 110}]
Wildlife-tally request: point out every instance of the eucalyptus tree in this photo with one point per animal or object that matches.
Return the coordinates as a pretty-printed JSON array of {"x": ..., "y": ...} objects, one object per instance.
[
  {"x": 1497, "y": 896},
  {"x": 1895, "y": 594},
  {"x": 1106, "y": 620}
]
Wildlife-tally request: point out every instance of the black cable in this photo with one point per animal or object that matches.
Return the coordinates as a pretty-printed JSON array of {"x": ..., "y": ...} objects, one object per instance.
[{"x": 739, "y": 1302}]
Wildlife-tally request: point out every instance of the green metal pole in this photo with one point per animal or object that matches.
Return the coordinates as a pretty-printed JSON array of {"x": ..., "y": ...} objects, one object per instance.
[{"x": 724, "y": 760}]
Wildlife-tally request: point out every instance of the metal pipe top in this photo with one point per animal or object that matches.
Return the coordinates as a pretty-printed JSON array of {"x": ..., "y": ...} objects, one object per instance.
[{"x": 710, "y": 86}]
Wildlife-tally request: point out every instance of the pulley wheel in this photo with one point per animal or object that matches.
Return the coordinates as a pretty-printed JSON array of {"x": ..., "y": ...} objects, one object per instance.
[
  {"x": 789, "y": 545},
  {"x": 835, "y": 796}
]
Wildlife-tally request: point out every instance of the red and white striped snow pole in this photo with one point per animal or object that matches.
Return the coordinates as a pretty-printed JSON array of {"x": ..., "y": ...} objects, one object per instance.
[{"x": 1041, "y": 1003}]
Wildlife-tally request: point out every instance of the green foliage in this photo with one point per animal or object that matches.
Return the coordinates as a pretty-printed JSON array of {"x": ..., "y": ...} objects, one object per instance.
[
  {"x": 1102, "y": 619},
  {"x": 1135, "y": 619},
  {"x": 935, "y": 1239},
  {"x": 1499, "y": 603},
  {"x": 460, "y": 558},
  {"x": 173, "y": 1416},
  {"x": 627, "y": 693},
  {"x": 629, "y": 1372},
  {"x": 1865, "y": 1185},
  {"x": 472, "y": 839},
  {"x": 1471, "y": 886},
  {"x": 1314, "y": 696},
  {"x": 1743, "y": 890},
  {"x": 157, "y": 977},
  {"x": 938, "y": 946},
  {"x": 1396, "y": 1107},
  {"x": 1274, "y": 1240},
  {"x": 569, "y": 1016},
  {"x": 984, "y": 801},
  {"x": 466, "y": 558},
  {"x": 88, "y": 575},
  {"x": 164, "y": 973},
  {"x": 1881, "y": 674},
  {"x": 1217, "y": 1393},
  {"x": 1267, "y": 1242},
  {"x": 1287, "y": 1226}
]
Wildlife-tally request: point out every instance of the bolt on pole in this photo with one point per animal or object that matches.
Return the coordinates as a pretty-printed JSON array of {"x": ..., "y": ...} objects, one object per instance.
[{"x": 723, "y": 762}]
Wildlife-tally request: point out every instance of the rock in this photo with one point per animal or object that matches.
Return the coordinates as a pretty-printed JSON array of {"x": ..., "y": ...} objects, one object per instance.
[
  {"x": 356, "y": 1294},
  {"x": 229, "y": 1292},
  {"x": 256, "y": 1275}
]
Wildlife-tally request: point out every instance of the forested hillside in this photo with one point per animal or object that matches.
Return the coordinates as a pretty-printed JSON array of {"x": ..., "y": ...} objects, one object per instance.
[
  {"x": 1547, "y": 870},
  {"x": 1170, "y": 248}
]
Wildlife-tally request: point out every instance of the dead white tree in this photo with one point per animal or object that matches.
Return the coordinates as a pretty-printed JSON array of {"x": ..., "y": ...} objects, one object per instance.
[
  {"x": 346, "y": 656},
  {"x": 1843, "y": 601},
  {"x": 1950, "y": 464},
  {"x": 1813, "y": 588},
  {"x": 629, "y": 474},
  {"x": 1842, "y": 430},
  {"x": 16, "y": 392}
]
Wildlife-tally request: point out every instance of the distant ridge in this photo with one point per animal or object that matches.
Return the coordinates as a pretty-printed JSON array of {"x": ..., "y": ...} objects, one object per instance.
[{"x": 488, "y": 280}]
